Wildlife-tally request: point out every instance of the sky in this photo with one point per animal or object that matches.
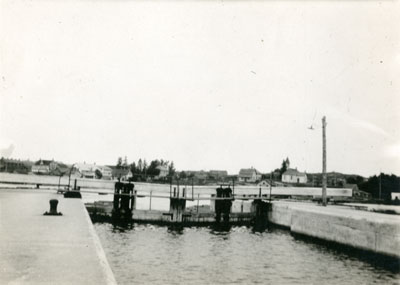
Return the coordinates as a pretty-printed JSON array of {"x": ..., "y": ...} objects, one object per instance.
[{"x": 206, "y": 84}]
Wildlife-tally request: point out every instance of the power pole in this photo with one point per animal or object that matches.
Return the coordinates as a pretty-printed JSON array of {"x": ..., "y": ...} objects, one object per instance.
[
  {"x": 380, "y": 185},
  {"x": 323, "y": 161}
]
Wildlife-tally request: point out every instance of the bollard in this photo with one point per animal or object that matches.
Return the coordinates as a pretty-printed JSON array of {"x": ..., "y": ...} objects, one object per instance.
[{"x": 53, "y": 208}]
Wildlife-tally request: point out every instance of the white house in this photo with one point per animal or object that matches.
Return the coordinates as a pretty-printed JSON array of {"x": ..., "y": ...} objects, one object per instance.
[
  {"x": 44, "y": 166},
  {"x": 294, "y": 176},
  {"x": 163, "y": 171},
  {"x": 86, "y": 170},
  {"x": 249, "y": 175},
  {"x": 106, "y": 172}
]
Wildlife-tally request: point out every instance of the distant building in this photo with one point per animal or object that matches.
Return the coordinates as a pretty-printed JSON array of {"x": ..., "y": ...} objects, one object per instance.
[
  {"x": 357, "y": 193},
  {"x": 249, "y": 175},
  {"x": 395, "y": 196},
  {"x": 121, "y": 173},
  {"x": 45, "y": 167},
  {"x": 15, "y": 165},
  {"x": 87, "y": 170},
  {"x": 263, "y": 183},
  {"x": 106, "y": 172},
  {"x": 163, "y": 171},
  {"x": 218, "y": 174},
  {"x": 294, "y": 176}
]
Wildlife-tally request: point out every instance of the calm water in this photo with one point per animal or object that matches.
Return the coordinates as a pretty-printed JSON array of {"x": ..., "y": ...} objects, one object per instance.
[{"x": 147, "y": 254}]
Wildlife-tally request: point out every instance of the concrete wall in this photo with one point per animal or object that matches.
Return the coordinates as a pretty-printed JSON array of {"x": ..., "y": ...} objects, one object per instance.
[{"x": 376, "y": 232}]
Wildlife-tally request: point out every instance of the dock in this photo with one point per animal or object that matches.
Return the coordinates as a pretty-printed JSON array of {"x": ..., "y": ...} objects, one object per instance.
[
  {"x": 35, "y": 248},
  {"x": 361, "y": 229}
]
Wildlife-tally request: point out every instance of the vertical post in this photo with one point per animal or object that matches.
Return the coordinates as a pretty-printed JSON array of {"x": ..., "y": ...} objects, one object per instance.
[
  {"x": 192, "y": 189},
  {"x": 59, "y": 180},
  {"x": 170, "y": 187},
  {"x": 151, "y": 193},
  {"x": 270, "y": 187},
  {"x": 198, "y": 201},
  {"x": 324, "y": 161},
  {"x": 380, "y": 185},
  {"x": 233, "y": 187},
  {"x": 259, "y": 194}
]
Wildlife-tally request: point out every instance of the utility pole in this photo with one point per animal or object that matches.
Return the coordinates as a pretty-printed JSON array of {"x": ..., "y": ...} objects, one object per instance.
[
  {"x": 323, "y": 161},
  {"x": 380, "y": 185}
]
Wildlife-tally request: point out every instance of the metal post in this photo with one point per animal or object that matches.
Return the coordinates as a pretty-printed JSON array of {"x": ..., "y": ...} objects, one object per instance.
[
  {"x": 198, "y": 200},
  {"x": 380, "y": 185},
  {"x": 323, "y": 161},
  {"x": 170, "y": 186},
  {"x": 270, "y": 187},
  {"x": 151, "y": 193},
  {"x": 192, "y": 189},
  {"x": 59, "y": 179}
]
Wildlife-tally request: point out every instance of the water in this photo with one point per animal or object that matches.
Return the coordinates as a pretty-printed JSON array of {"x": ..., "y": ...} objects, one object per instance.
[{"x": 147, "y": 254}]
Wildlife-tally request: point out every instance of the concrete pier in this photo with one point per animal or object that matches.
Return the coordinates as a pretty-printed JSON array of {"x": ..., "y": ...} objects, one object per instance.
[
  {"x": 48, "y": 249},
  {"x": 376, "y": 232}
]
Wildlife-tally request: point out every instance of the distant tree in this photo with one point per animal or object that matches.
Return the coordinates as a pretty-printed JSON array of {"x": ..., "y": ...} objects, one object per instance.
[
  {"x": 125, "y": 163},
  {"x": 119, "y": 162},
  {"x": 171, "y": 169},
  {"x": 144, "y": 170},
  {"x": 284, "y": 166},
  {"x": 98, "y": 174},
  {"x": 387, "y": 183},
  {"x": 140, "y": 165},
  {"x": 132, "y": 168},
  {"x": 287, "y": 161},
  {"x": 182, "y": 175},
  {"x": 153, "y": 170},
  {"x": 356, "y": 179}
]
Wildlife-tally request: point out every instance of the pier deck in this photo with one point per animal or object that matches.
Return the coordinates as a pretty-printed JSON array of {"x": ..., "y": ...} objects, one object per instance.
[{"x": 48, "y": 249}]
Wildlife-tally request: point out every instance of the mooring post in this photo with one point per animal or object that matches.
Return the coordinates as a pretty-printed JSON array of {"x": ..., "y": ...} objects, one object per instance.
[{"x": 53, "y": 208}]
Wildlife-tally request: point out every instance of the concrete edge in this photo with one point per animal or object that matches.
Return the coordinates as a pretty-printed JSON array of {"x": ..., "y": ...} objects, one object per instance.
[
  {"x": 292, "y": 210},
  {"x": 110, "y": 278}
]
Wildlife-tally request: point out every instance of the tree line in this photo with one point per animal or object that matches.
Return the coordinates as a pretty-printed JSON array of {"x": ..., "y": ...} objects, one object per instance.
[{"x": 143, "y": 169}]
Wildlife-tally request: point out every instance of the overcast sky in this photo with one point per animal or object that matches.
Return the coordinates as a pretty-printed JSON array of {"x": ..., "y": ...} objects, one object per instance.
[{"x": 207, "y": 84}]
